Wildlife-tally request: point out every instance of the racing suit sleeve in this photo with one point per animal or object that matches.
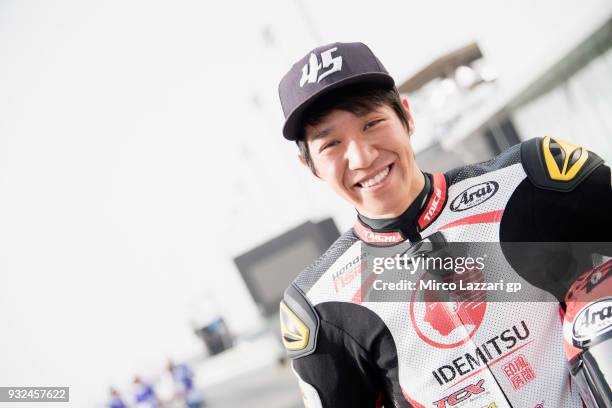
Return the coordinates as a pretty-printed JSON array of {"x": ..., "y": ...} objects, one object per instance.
[
  {"x": 570, "y": 194},
  {"x": 552, "y": 212},
  {"x": 337, "y": 374},
  {"x": 581, "y": 215},
  {"x": 332, "y": 367}
]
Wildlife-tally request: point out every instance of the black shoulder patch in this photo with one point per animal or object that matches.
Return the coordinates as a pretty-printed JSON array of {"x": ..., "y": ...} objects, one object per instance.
[
  {"x": 299, "y": 324},
  {"x": 554, "y": 164}
]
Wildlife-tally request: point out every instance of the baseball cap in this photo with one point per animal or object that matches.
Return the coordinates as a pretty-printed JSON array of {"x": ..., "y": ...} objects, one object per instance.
[{"x": 325, "y": 69}]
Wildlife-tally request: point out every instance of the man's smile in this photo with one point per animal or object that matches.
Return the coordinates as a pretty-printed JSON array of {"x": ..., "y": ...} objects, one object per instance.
[{"x": 374, "y": 180}]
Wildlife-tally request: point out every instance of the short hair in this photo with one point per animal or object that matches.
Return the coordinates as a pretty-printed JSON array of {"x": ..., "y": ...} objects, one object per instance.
[{"x": 357, "y": 99}]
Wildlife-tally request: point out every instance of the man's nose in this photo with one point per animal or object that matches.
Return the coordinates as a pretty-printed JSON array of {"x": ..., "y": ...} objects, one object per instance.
[{"x": 360, "y": 155}]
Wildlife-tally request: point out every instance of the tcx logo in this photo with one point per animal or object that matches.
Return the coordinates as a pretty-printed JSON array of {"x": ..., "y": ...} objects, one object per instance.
[
  {"x": 461, "y": 395},
  {"x": 310, "y": 71}
]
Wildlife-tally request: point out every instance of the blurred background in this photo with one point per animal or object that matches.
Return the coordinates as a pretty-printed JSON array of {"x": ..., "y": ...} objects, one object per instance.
[{"x": 151, "y": 213}]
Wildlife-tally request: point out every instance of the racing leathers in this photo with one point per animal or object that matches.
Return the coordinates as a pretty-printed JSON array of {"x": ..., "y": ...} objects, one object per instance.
[{"x": 349, "y": 352}]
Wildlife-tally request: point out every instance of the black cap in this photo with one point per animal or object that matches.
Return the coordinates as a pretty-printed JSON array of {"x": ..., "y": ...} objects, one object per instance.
[{"x": 322, "y": 70}]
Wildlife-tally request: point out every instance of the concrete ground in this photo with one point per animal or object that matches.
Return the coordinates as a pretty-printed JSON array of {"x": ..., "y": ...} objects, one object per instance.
[{"x": 269, "y": 387}]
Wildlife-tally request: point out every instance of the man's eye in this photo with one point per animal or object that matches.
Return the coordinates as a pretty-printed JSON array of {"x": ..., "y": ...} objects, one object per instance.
[
  {"x": 330, "y": 144},
  {"x": 372, "y": 123}
]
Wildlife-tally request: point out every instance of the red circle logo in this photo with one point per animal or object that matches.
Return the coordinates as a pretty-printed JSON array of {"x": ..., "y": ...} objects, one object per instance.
[{"x": 448, "y": 319}]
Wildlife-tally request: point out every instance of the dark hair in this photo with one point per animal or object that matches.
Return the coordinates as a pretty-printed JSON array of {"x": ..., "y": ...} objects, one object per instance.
[{"x": 357, "y": 99}]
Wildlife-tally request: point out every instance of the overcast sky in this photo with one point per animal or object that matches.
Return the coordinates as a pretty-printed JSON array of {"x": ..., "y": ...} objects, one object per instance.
[{"x": 140, "y": 150}]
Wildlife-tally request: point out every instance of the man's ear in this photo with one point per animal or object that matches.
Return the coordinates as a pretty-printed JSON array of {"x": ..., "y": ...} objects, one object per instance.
[{"x": 406, "y": 105}]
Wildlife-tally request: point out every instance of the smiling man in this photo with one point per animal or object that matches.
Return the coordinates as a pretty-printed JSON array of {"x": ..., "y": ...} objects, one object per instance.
[
  {"x": 380, "y": 178},
  {"x": 353, "y": 131}
]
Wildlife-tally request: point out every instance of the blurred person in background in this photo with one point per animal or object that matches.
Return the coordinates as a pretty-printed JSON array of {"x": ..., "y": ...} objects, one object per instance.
[
  {"x": 144, "y": 394},
  {"x": 115, "y": 399},
  {"x": 184, "y": 386},
  {"x": 354, "y": 132}
]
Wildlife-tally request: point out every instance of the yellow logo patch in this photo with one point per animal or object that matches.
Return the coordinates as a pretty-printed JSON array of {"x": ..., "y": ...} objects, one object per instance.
[
  {"x": 294, "y": 332},
  {"x": 563, "y": 159}
]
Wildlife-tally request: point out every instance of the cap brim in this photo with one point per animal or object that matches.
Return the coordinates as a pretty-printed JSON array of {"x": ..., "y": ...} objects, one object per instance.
[{"x": 291, "y": 128}]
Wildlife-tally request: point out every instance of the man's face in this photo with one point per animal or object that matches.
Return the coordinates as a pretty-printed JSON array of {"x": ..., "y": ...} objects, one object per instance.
[{"x": 367, "y": 160}]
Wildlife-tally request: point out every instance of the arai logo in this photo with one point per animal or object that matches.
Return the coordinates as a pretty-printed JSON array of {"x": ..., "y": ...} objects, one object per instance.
[
  {"x": 474, "y": 196},
  {"x": 592, "y": 322}
]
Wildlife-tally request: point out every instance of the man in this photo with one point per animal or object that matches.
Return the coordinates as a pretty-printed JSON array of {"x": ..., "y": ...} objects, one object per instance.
[
  {"x": 115, "y": 399},
  {"x": 353, "y": 131},
  {"x": 144, "y": 394},
  {"x": 184, "y": 385}
]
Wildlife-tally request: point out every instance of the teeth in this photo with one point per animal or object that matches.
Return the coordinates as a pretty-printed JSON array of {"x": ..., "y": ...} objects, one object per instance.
[{"x": 376, "y": 179}]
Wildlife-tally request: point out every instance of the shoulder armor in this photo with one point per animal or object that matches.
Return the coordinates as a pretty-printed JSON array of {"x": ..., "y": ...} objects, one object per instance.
[
  {"x": 554, "y": 164},
  {"x": 299, "y": 324}
]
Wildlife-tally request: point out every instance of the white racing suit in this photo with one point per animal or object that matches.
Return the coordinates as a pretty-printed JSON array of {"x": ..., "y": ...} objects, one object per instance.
[{"x": 348, "y": 351}]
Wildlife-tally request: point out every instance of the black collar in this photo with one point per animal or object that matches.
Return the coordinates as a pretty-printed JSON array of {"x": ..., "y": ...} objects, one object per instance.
[{"x": 418, "y": 216}]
